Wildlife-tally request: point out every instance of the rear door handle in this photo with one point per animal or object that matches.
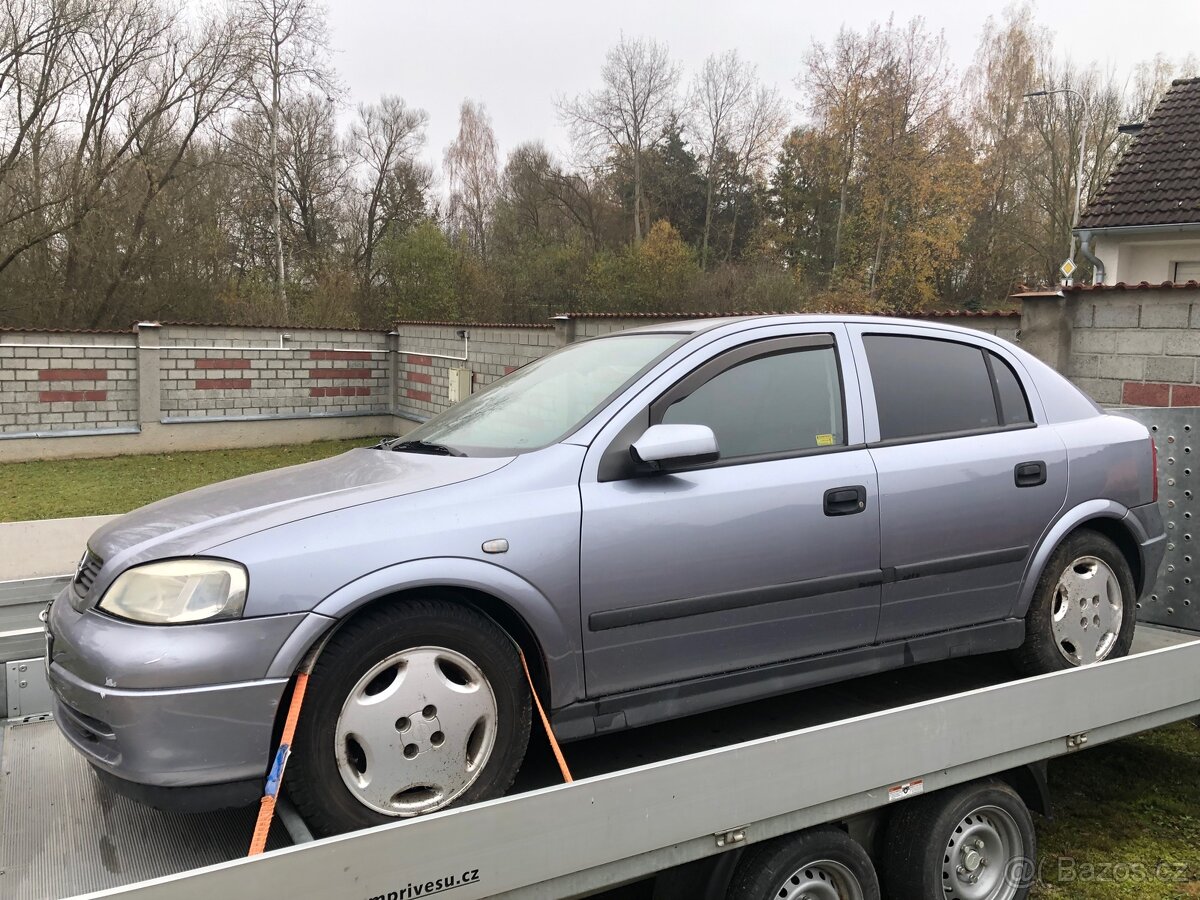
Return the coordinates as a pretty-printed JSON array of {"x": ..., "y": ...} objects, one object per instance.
[
  {"x": 845, "y": 501},
  {"x": 1029, "y": 474}
]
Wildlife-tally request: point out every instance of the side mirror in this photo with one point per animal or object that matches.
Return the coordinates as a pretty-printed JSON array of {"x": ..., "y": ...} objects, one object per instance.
[{"x": 667, "y": 446}]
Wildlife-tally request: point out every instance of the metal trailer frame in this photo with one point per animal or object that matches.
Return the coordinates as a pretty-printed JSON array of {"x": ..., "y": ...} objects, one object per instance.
[{"x": 575, "y": 839}]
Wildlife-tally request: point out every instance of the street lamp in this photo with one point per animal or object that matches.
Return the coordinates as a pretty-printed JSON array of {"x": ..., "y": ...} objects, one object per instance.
[{"x": 1087, "y": 118}]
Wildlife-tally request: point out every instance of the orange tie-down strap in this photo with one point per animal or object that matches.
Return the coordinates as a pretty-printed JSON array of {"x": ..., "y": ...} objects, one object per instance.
[
  {"x": 266, "y": 806},
  {"x": 562, "y": 763}
]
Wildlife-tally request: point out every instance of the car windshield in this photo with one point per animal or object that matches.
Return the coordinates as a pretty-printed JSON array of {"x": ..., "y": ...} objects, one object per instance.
[{"x": 541, "y": 402}]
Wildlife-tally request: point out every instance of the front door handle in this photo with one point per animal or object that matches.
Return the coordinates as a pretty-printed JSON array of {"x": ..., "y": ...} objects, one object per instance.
[
  {"x": 845, "y": 501},
  {"x": 1029, "y": 474}
]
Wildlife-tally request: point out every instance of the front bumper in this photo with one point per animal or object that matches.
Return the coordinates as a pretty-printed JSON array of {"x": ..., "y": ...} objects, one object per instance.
[
  {"x": 170, "y": 738},
  {"x": 167, "y": 707}
]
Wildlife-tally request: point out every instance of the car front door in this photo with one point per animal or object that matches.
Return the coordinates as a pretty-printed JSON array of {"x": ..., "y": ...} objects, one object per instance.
[
  {"x": 769, "y": 553},
  {"x": 968, "y": 480}
]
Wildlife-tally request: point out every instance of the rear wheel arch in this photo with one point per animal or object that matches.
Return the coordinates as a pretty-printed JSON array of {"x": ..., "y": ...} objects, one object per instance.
[
  {"x": 1120, "y": 534},
  {"x": 1101, "y": 516}
]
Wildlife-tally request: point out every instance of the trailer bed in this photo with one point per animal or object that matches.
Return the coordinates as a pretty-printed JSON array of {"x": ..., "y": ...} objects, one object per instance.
[{"x": 645, "y": 799}]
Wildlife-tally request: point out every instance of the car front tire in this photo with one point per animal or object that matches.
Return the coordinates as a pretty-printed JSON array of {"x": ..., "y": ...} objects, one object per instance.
[{"x": 412, "y": 707}]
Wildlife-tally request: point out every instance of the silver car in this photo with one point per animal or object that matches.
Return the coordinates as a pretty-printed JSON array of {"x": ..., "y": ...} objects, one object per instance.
[{"x": 662, "y": 521}]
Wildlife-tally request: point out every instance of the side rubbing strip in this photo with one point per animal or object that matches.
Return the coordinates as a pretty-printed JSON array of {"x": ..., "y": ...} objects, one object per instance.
[
  {"x": 948, "y": 564},
  {"x": 710, "y": 603}
]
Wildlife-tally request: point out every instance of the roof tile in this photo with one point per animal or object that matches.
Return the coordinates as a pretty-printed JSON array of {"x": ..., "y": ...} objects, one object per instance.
[{"x": 1157, "y": 181}]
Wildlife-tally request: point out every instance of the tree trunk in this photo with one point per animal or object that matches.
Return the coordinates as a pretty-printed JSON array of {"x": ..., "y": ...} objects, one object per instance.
[
  {"x": 879, "y": 249},
  {"x": 708, "y": 200},
  {"x": 637, "y": 196},
  {"x": 277, "y": 201},
  {"x": 847, "y": 164}
]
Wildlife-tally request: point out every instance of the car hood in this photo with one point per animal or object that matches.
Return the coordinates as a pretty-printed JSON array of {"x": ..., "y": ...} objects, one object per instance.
[{"x": 197, "y": 521}]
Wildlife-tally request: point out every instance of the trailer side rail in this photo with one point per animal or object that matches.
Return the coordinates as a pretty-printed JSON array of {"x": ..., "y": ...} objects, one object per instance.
[{"x": 572, "y": 839}]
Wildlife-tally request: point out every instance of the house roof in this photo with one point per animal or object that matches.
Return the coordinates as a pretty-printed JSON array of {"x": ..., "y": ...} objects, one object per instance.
[{"x": 1157, "y": 180}]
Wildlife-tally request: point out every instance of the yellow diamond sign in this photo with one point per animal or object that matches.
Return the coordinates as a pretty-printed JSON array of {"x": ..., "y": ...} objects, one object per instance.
[{"x": 1067, "y": 268}]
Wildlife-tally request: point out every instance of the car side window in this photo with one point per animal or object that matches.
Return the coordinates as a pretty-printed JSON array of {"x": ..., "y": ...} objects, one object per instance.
[
  {"x": 1014, "y": 406},
  {"x": 928, "y": 386},
  {"x": 776, "y": 403}
]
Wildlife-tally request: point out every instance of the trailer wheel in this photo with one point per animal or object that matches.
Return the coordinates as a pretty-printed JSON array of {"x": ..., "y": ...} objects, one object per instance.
[
  {"x": 973, "y": 842},
  {"x": 1084, "y": 608},
  {"x": 819, "y": 864},
  {"x": 412, "y": 708}
]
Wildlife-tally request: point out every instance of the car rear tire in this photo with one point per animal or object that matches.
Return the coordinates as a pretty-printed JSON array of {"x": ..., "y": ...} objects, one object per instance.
[
  {"x": 971, "y": 842},
  {"x": 822, "y": 863},
  {"x": 412, "y": 707},
  {"x": 1083, "y": 610}
]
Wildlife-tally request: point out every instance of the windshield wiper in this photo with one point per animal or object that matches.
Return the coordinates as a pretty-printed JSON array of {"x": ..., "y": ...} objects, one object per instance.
[{"x": 421, "y": 447}]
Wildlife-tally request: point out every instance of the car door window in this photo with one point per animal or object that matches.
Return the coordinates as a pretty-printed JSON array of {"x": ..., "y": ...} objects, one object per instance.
[
  {"x": 1014, "y": 407},
  {"x": 928, "y": 386},
  {"x": 777, "y": 403}
]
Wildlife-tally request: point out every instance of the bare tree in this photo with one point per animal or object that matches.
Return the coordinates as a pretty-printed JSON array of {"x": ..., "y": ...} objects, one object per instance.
[
  {"x": 312, "y": 170},
  {"x": 383, "y": 144},
  {"x": 473, "y": 175},
  {"x": 757, "y": 131},
  {"x": 840, "y": 81},
  {"x": 626, "y": 117},
  {"x": 286, "y": 48},
  {"x": 720, "y": 93}
]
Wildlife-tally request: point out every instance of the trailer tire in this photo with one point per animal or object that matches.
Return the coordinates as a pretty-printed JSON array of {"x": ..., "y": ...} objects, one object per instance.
[
  {"x": 935, "y": 844},
  {"x": 460, "y": 674},
  {"x": 820, "y": 862},
  {"x": 1050, "y": 632}
]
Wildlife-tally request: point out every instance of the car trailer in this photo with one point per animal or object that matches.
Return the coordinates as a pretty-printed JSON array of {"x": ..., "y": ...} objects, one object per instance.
[{"x": 702, "y": 805}]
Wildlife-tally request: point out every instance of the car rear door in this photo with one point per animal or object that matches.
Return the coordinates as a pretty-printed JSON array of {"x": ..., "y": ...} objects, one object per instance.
[
  {"x": 748, "y": 560},
  {"x": 969, "y": 480}
]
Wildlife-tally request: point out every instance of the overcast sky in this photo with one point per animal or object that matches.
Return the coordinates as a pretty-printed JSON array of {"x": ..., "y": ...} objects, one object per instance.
[{"x": 518, "y": 55}]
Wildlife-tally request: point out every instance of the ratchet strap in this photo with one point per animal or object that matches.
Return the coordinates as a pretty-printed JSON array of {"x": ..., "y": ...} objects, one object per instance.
[
  {"x": 562, "y": 763},
  {"x": 266, "y": 806}
]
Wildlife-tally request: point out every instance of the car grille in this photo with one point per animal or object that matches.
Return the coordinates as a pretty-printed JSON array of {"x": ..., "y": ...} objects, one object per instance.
[{"x": 89, "y": 568}]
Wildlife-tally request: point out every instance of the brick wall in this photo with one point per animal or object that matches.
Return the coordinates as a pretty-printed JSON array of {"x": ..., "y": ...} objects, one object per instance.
[
  {"x": 249, "y": 372},
  {"x": 1124, "y": 346},
  {"x": 91, "y": 386}
]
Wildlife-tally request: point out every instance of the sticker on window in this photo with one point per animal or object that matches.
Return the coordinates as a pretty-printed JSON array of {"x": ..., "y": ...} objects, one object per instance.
[{"x": 824, "y": 440}]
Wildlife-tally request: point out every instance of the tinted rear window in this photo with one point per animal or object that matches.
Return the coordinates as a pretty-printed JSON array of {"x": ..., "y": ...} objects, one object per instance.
[
  {"x": 925, "y": 386},
  {"x": 1013, "y": 404}
]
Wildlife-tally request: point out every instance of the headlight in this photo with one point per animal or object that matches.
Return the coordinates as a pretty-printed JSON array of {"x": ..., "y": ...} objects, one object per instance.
[{"x": 178, "y": 591}]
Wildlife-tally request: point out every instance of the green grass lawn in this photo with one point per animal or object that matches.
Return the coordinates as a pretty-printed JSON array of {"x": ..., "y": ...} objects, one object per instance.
[
  {"x": 52, "y": 489},
  {"x": 1126, "y": 820},
  {"x": 1126, "y": 816}
]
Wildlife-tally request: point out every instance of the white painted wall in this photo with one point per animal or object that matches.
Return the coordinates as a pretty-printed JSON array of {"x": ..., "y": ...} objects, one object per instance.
[{"x": 1135, "y": 259}]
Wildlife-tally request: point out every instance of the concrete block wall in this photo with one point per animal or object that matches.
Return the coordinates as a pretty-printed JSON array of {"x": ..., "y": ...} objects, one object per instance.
[
  {"x": 1003, "y": 324},
  {"x": 223, "y": 372},
  {"x": 425, "y": 355},
  {"x": 91, "y": 386},
  {"x": 1124, "y": 347}
]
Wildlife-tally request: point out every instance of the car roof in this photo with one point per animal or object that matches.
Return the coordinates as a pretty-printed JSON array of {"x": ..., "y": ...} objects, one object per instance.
[{"x": 693, "y": 326}]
